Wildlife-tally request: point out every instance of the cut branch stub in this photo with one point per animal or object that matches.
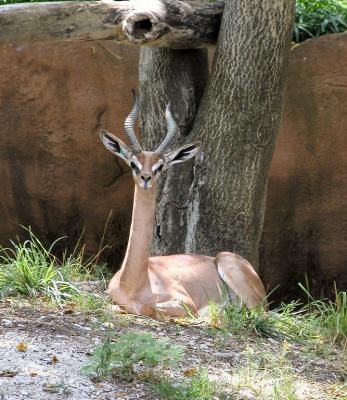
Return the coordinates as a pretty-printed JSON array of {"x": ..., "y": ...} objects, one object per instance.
[
  {"x": 141, "y": 28},
  {"x": 173, "y": 23},
  {"x": 157, "y": 23}
]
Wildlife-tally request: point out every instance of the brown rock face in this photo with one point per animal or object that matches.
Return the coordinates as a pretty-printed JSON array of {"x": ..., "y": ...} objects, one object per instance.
[
  {"x": 306, "y": 225},
  {"x": 55, "y": 174}
]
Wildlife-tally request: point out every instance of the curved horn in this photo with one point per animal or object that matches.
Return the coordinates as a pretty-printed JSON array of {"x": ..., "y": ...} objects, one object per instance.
[
  {"x": 172, "y": 129},
  {"x": 129, "y": 125}
]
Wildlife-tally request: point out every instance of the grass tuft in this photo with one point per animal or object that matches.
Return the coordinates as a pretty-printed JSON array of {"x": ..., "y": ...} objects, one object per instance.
[
  {"x": 330, "y": 317},
  {"x": 29, "y": 269},
  {"x": 314, "y": 323}
]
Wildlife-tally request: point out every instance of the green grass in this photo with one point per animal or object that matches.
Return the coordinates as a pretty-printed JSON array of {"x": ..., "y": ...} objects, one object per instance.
[
  {"x": 122, "y": 356},
  {"x": 199, "y": 387},
  {"x": 133, "y": 356},
  {"x": 286, "y": 322},
  {"x": 329, "y": 317},
  {"x": 76, "y": 267},
  {"x": 29, "y": 269},
  {"x": 314, "y": 323},
  {"x": 90, "y": 303}
]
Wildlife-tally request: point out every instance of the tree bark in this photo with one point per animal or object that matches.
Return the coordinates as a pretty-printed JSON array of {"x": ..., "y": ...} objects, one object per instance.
[
  {"x": 222, "y": 199},
  {"x": 178, "y": 77},
  {"x": 158, "y": 23}
]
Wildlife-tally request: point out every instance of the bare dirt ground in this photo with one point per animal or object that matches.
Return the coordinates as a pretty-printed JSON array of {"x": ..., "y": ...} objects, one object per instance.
[{"x": 42, "y": 352}]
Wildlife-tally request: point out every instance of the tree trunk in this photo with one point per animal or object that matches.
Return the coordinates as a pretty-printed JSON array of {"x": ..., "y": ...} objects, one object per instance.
[
  {"x": 178, "y": 76},
  {"x": 159, "y": 23},
  {"x": 221, "y": 201}
]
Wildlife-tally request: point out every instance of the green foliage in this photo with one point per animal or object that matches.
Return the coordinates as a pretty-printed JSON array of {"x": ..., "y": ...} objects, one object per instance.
[
  {"x": 286, "y": 322},
  {"x": 199, "y": 387},
  {"x": 130, "y": 355},
  {"x": 318, "y": 17},
  {"x": 76, "y": 268},
  {"x": 130, "y": 350},
  {"x": 330, "y": 317},
  {"x": 318, "y": 321},
  {"x": 29, "y": 269}
]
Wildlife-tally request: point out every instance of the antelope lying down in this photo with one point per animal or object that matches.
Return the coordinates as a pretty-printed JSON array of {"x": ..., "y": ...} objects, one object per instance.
[{"x": 169, "y": 285}]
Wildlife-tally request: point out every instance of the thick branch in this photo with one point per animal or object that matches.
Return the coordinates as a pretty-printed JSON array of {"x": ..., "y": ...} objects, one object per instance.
[{"x": 157, "y": 23}]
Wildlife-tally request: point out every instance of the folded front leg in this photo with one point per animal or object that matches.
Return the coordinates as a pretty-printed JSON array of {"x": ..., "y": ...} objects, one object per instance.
[{"x": 174, "y": 308}]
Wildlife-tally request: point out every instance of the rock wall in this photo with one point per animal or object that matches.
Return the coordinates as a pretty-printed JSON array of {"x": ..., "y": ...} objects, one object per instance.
[
  {"x": 305, "y": 228},
  {"x": 55, "y": 174},
  {"x": 56, "y": 177}
]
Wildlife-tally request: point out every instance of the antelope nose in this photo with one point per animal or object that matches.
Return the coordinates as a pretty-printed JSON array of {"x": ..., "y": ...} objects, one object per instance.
[{"x": 146, "y": 177}]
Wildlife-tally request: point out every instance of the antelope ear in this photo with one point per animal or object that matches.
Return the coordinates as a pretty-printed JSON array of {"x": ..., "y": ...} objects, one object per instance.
[
  {"x": 182, "y": 154},
  {"x": 115, "y": 145}
]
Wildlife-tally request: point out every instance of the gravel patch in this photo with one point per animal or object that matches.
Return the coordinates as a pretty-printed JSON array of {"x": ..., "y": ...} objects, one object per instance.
[{"x": 42, "y": 352}]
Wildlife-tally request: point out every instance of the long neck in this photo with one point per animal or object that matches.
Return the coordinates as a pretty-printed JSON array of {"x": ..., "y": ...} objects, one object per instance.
[{"x": 134, "y": 270}]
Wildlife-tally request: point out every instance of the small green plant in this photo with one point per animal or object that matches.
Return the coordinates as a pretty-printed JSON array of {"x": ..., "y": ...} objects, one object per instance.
[
  {"x": 29, "y": 269},
  {"x": 318, "y": 17},
  {"x": 236, "y": 319},
  {"x": 130, "y": 351},
  {"x": 199, "y": 387}
]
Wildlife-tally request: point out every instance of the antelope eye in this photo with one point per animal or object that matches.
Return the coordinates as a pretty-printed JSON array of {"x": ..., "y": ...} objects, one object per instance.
[
  {"x": 157, "y": 170},
  {"x": 135, "y": 168}
]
